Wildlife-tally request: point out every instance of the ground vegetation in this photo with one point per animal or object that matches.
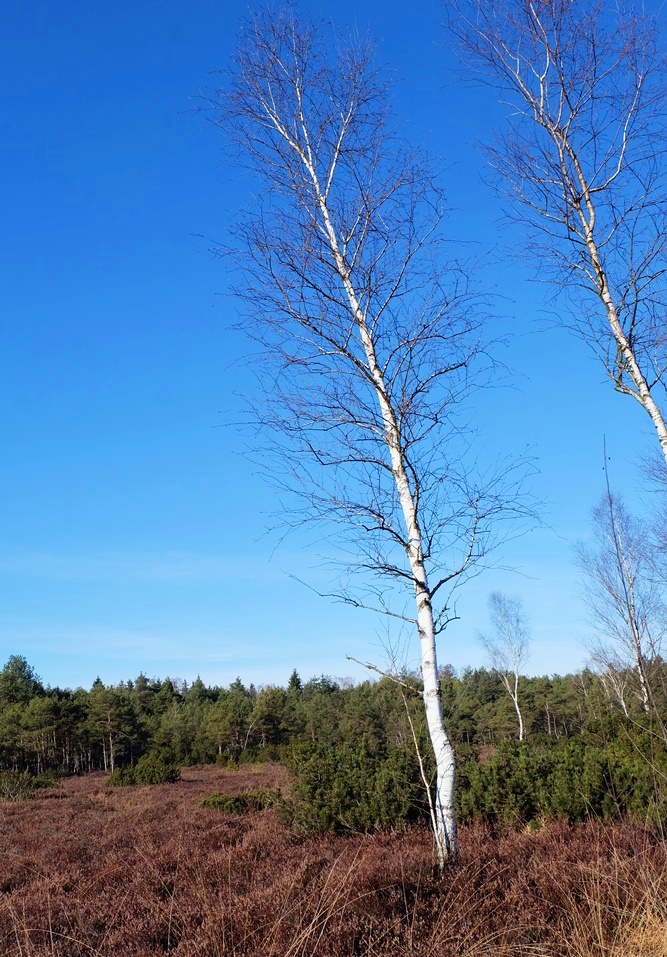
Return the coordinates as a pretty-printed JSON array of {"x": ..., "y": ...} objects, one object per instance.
[{"x": 88, "y": 869}]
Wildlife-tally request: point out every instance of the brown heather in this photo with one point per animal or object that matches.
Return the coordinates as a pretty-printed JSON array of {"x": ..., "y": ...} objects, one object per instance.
[{"x": 136, "y": 872}]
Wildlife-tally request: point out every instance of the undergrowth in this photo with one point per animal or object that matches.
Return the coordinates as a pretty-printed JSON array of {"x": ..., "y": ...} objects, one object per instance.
[
  {"x": 99, "y": 871},
  {"x": 21, "y": 785},
  {"x": 245, "y": 802},
  {"x": 152, "y": 768}
]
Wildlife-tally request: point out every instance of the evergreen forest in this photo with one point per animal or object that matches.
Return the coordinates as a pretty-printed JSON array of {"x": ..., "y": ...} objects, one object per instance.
[{"x": 358, "y": 753}]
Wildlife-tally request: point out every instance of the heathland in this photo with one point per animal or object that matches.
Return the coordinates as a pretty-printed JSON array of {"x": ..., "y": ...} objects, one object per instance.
[
  {"x": 89, "y": 869},
  {"x": 154, "y": 817}
]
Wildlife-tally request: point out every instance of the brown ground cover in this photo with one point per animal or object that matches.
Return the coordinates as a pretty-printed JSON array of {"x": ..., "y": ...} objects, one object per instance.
[{"x": 136, "y": 872}]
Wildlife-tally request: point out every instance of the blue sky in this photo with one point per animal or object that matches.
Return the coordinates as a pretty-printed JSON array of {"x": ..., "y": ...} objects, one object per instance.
[{"x": 134, "y": 532}]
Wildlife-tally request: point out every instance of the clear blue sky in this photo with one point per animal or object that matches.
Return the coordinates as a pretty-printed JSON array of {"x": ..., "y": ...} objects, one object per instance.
[{"x": 133, "y": 532}]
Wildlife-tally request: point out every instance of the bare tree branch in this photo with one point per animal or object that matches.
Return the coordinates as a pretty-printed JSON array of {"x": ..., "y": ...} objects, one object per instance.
[
  {"x": 507, "y": 648},
  {"x": 372, "y": 342},
  {"x": 625, "y": 600},
  {"x": 583, "y": 154}
]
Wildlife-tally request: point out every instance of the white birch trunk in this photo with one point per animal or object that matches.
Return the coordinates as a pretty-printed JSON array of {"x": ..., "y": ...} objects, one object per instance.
[
  {"x": 617, "y": 688},
  {"x": 445, "y": 835},
  {"x": 515, "y": 699},
  {"x": 312, "y": 189},
  {"x": 647, "y": 698},
  {"x": 641, "y": 392},
  {"x": 572, "y": 74},
  {"x": 513, "y": 691},
  {"x": 582, "y": 202}
]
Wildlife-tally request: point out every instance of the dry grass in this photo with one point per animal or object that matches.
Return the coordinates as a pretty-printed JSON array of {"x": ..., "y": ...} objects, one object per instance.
[
  {"x": 622, "y": 909},
  {"x": 91, "y": 871}
]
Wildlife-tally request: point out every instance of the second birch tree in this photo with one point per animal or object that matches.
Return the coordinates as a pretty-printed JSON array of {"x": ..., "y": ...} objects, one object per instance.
[
  {"x": 583, "y": 155},
  {"x": 508, "y": 646}
]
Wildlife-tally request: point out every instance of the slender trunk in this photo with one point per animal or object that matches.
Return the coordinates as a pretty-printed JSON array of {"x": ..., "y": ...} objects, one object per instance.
[
  {"x": 633, "y": 621},
  {"x": 580, "y": 199},
  {"x": 617, "y": 688},
  {"x": 627, "y": 359},
  {"x": 445, "y": 831},
  {"x": 515, "y": 699},
  {"x": 445, "y": 834},
  {"x": 512, "y": 689},
  {"x": 445, "y": 761},
  {"x": 643, "y": 680},
  {"x": 582, "y": 202}
]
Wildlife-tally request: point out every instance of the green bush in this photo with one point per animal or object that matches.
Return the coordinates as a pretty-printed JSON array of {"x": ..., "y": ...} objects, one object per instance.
[
  {"x": 152, "y": 768},
  {"x": 504, "y": 790},
  {"x": 567, "y": 779},
  {"x": 354, "y": 788},
  {"x": 16, "y": 785},
  {"x": 637, "y": 777},
  {"x": 245, "y": 802},
  {"x": 258, "y": 755},
  {"x": 21, "y": 785}
]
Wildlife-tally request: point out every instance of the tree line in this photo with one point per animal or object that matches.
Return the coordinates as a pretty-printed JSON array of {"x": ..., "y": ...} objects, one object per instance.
[{"x": 359, "y": 752}]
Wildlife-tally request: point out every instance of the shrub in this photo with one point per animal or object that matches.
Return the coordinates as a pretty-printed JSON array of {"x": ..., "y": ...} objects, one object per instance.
[
  {"x": 21, "y": 785},
  {"x": 16, "y": 785},
  {"x": 505, "y": 789},
  {"x": 152, "y": 768},
  {"x": 245, "y": 802},
  {"x": 354, "y": 788},
  {"x": 258, "y": 755},
  {"x": 567, "y": 779}
]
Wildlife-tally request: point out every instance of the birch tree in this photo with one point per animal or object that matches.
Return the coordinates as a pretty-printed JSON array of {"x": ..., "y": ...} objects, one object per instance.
[
  {"x": 625, "y": 598},
  {"x": 370, "y": 338},
  {"x": 582, "y": 151},
  {"x": 507, "y": 647},
  {"x": 614, "y": 673}
]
